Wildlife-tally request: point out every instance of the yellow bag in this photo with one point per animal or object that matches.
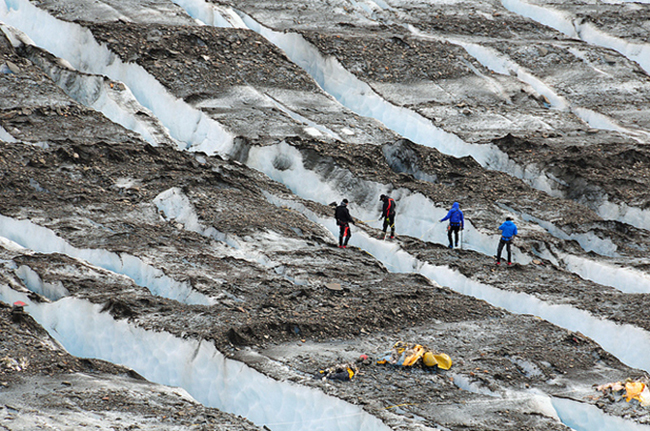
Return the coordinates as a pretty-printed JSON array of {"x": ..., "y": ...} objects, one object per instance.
[
  {"x": 633, "y": 390},
  {"x": 444, "y": 361}
]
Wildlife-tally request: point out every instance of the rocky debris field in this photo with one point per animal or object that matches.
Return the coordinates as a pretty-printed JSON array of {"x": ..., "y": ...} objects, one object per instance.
[{"x": 169, "y": 174}]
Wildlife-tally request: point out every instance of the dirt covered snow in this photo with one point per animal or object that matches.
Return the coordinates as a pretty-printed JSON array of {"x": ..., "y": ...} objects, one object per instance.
[{"x": 169, "y": 173}]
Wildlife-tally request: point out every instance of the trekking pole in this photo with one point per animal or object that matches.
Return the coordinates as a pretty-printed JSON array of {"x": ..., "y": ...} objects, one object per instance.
[
  {"x": 429, "y": 230},
  {"x": 461, "y": 238}
]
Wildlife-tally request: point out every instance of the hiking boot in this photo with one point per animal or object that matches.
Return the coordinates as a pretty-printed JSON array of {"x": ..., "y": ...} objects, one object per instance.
[
  {"x": 340, "y": 246},
  {"x": 392, "y": 237},
  {"x": 498, "y": 263},
  {"x": 509, "y": 263},
  {"x": 451, "y": 246}
]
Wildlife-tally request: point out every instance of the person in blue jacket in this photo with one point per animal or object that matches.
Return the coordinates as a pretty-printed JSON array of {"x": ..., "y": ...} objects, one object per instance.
[
  {"x": 456, "y": 223},
  {"x": 508, "y": 231}
]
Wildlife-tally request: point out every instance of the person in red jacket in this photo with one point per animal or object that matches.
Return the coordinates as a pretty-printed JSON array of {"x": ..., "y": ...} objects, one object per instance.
[
  {"x": 343, "y": 220},
  {"x": 388, "y": 214}
]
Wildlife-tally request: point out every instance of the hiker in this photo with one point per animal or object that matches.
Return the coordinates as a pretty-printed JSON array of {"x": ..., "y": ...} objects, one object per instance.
[
  {"x": 508, "y": 231},
  {"x": 456, "y": 223},
  {"x": 343, "y": 220},
  {"x": 388, "y": 214}
]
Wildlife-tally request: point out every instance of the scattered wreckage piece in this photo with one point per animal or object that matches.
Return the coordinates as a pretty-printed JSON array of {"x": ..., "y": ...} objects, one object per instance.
[
  {"x": 343, "y": 372},
  {"x": 634, "y": 390},
  {"x": 408, "y": 355}
]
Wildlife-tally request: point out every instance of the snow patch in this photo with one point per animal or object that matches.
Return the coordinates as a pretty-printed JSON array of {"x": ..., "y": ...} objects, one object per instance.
[
  {"x": 126, "y": 183},
  {"x": 529, "y": 368},
  {"x": 626, "y": 280},
  {"x": 588, "y": 241},
  {"x": 43, "y": 240},
  {"x": 464, "y": 383},
  {"x": 6, "y": 136},
  {"x": 313, "y": 129},
  {"x": 31, "y": 279},
  {"x": 624, "y": 213},
  {"x": 583, "y": 416},
  {"x": 211, "y": 14}
]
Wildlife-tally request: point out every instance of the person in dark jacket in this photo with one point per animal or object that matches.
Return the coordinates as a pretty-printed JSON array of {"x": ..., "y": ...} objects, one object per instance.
[
  {"x": 343, "y": 220},
  {"x": 388, "y": 214},
  {"x": 508, "y": 231},
  {"x": 456, "y": 223}
]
